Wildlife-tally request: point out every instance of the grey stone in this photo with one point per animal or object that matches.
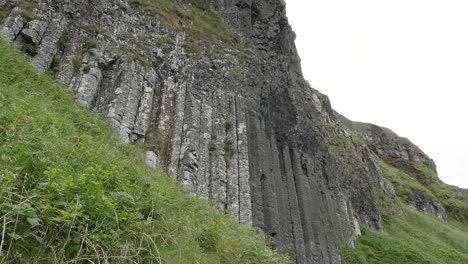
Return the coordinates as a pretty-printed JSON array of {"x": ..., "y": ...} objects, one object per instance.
[
  {"x": 152, "y": 159},
  {"x": 34, "y": 31},
  {"x": 87, "y": 84},
  {"x": 13, "y": 24}
]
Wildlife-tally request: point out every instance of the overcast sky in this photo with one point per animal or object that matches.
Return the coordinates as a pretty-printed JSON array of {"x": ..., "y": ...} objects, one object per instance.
[{"x": 402, "y": 64}]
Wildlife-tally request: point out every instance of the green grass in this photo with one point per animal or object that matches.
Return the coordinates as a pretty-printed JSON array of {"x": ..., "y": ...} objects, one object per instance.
[
  {"x": 4, "y": 11},
  {"x": 428, "y": 184},
  {"x": 454, "y": 201},
  {"x": 28, "y": 9},
  {"x": 413, "y": 238},
  {"x": 201, "y": 25},
  {"x": 70, "y": 192},
  {"x": 404, "y": 183}
]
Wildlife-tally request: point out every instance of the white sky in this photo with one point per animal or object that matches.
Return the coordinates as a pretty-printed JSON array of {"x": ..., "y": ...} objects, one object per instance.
[{"x": 402, "y": 64}]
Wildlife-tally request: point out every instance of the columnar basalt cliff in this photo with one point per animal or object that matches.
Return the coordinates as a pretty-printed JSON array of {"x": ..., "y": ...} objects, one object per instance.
[{"x": 214, "y": 91}]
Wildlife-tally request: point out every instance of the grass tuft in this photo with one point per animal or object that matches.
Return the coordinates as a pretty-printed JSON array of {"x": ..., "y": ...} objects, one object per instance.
[{"x": 30, "y": 49}]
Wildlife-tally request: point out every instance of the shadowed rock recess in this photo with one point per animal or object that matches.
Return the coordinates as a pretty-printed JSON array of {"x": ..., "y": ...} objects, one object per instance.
[{"x": 214, "y": 92}]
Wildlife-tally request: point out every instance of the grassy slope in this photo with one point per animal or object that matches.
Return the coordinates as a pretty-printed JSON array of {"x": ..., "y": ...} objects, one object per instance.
[
  {"x": 202, "y": 26},
  {"x": 414, "y": 237},
  {"x": 428, "y": 184},
  {"x": 404, "y": 183},
  {"x": 454, "y": 201},
  {"x": 69, "y": 191}
]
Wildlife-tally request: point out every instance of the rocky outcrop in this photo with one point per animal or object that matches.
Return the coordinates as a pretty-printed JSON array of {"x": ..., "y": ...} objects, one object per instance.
[
  {"x": 400, "y": 153},
  {"x": 427, "y": 204},
  {"x": 231, "y": 116},
  {"x": 387, "y": 145},
  {"x": 430, "y": 195}
]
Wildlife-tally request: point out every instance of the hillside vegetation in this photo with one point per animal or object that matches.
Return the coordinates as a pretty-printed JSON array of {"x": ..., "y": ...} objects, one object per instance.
[
  {"x": 419, "y": 177},
  {"x": 452, "y": 198},
  {"x": 202, "y": 26},
  {"x": 69, "y": 193},
  {"x": 415, "y": 237},
  {"x": 412, "y": 238}
]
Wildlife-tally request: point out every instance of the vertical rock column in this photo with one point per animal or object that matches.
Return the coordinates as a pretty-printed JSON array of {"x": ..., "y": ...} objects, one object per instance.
[
  {"x": 204, "y": 140},
  {"x": 129, "y": 110},
  {"x": 232, "y": 158},
  {"x": 207, "y": 135},
  {"x": 298, "y": 251},
  {"x": 48, "y": 45},
  {"x": 218, "y": 179},
  {"x": 243, "y": 169},
  {"x": 171, "y": 116}
]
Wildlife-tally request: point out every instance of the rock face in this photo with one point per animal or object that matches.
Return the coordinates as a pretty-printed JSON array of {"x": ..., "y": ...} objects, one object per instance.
[
  {"x": 235, "y": 122},
  {"x": 400, "y": 153},
  {"x": 387, "y": 145}
]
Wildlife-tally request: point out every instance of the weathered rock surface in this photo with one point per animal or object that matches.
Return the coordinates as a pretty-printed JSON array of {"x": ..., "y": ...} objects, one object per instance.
[
  {"x": 239, "y": 127},
  {"x": 421, "y": 202},
  {"x": 387, "y": 145},
  {"x": 399, "y": 152}
]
